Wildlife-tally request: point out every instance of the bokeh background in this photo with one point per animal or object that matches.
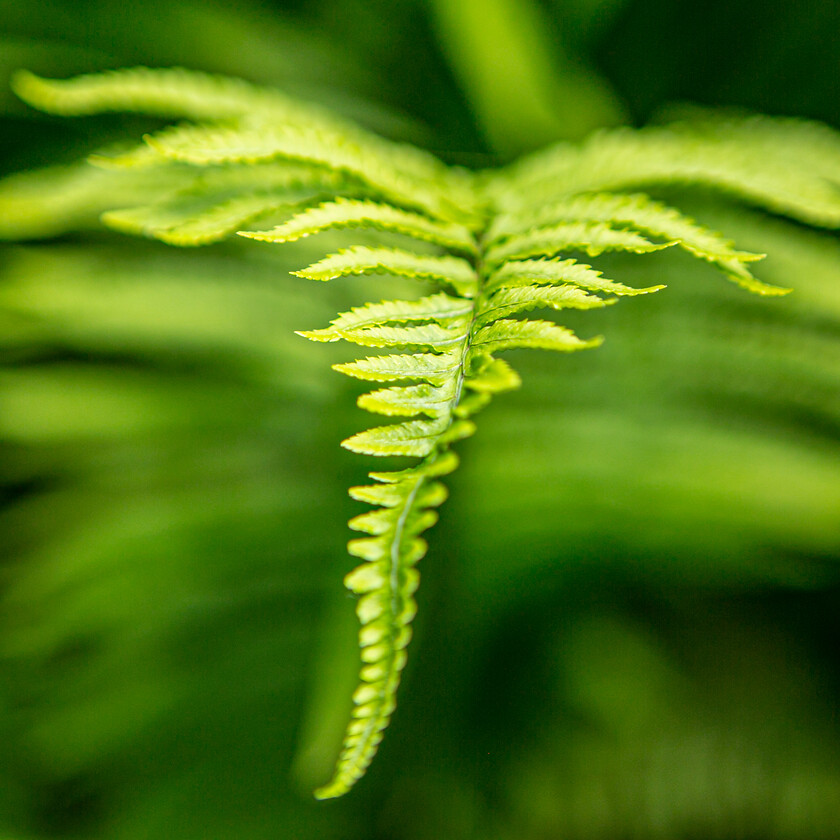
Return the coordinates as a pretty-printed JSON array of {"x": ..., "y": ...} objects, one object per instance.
[{"x": 628, "y": 621}]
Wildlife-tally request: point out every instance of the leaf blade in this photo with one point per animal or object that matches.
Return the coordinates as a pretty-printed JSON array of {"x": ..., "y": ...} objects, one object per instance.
[
  {"x": 345, "y": 212},
  {"x": 361, "y": 259},
  {"x": 510, "y": 334}
]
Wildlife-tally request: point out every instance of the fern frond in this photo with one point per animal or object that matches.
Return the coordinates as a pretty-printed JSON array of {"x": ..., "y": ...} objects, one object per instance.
[
  {"x": 510, "y": 300},
  {"x": 386, "y": 581},
  {"x": 52, "y": 201},
  {"x": 535, "y": 228},
  {"x": 507, "y": 334},
  {"x": 361, "y": 259},
  {"x": 392, "y": 171},
  {"x": 778, "y": 173},
  {"x": 153, "y": 200},
  {"x": 261, "y": 125},
  {"x": 807, "y": 144},
  {"x": 635, "y": 210},
  {"x": 428, "y": 367},
  {"x": 528, "y": 272},
  {"x": 170, "y": 93},
  {"x": 407, "y": 400},
  {"x": 396, "y": 172},
  {"x": 592, "y": 237},
  {"x": 425, "y": 335},
  {"x": 437, "y": 307},
  {"x": 214, "y": 202},
  {"x": 191, "y": 220},
  {"x": 179, "y": 93},
  {"x": 252, "y": 151},
  {"x": 344, "y": 212}
]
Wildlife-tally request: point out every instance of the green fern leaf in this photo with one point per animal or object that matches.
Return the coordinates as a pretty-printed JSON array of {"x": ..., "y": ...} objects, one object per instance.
[
  {"x": 387, "y": 581},
  {"x": 415, "y": 438},
  {"x": 637, "y": 210},
  {"x": 249, "y": 151},
  {"x": 233, "y": 178},
  {"x": 528, "y": 272},
  {"x": 508, "y": 301},
  {"x": 425, "y": 335},
  {"x": 195, "y": 221},
  {"x": 407, "y": 401},
  {"x": 768, "y": 175},
  {"x": 212, "y": 203},
  {"x": 429, "y": 367},
  {"x": 354, "y": 213},
  {"x": 493, "y": 376},
  {"x": 592, "y": 237},
  {"x": 444, "y": 464},
  {"x": 808, "y": 145},
  {"x": 641, "y": 212},
  {"x": 63, "y": 198},
  {"x": 508, "y": 334},
  {"x": 438, "y": 307},
  {"x": 396, "y": 173},
  {"x": 360, "y": 259},
  {"x": 172, "y": 93}
]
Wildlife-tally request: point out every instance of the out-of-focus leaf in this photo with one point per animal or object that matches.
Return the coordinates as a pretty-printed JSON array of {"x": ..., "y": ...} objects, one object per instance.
[{"x": 524, "y": 90}]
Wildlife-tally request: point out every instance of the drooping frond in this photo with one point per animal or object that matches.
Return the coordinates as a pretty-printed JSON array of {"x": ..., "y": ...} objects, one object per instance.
[
  {"x": 452, "y": 382},
  {"x": 386, "y": 582},
  {"x": 522, "y": 233},
  {"x": 397, "y": 172},
  {"x": 194, "y": 220},
  {"x": 808, "y": 145},
  {"x": 249, "y": 152},
  {"x": 169, "y": 92},
  {"x": 786, "y": 166},
  {"x": 157, "y": 198},
  {"x": 636, "y": 210},
  {"x": 52, "y": 201},
  {"x": 215, "y": 202}
]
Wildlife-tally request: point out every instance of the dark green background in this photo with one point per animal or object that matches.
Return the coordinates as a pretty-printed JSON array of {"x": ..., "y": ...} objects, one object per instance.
[{"x": 629, "y": 614}]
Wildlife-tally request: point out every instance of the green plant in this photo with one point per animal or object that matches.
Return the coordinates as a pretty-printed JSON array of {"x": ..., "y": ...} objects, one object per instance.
[{"x": 492, "y": 244}]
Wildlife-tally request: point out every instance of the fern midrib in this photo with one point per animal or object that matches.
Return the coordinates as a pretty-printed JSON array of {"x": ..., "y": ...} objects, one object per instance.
[
  {"x": 478, "y": 263},
  {"x": 395, "y": 547}
]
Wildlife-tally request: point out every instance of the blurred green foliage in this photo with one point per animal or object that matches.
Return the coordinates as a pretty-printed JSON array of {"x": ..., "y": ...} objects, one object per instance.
[{"x": 631, "y": 638}]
